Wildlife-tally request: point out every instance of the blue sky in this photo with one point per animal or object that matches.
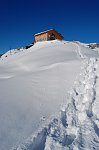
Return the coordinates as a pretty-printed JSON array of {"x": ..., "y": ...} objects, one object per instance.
[{"x": 21, "y": 19}]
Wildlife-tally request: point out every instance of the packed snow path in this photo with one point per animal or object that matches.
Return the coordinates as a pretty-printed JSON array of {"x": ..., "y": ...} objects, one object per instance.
[{"x": 76, "y": 127}]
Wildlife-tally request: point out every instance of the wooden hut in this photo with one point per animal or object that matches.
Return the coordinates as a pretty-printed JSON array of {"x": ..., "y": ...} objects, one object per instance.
[{"x": 48, "y": 35}]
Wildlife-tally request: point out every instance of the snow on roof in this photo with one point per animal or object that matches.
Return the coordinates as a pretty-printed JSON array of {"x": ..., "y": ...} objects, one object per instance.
[{"x": 44, "y": 32}]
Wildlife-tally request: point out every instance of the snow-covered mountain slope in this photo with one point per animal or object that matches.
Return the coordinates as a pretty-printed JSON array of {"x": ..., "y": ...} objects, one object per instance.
[{"x": 34, "y": 85}]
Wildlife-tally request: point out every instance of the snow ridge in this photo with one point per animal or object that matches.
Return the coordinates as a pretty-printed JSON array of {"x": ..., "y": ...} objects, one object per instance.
[{"x": 76, "y": 127}]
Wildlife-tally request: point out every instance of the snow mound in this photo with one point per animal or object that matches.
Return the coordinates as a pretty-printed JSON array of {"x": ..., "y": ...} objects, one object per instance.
[{"x": 34, "y": 84}]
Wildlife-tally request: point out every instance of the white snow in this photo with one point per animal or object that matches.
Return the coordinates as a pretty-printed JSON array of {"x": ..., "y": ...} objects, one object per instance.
[
  {"x": 43, "y": 32},
  {"x": 49, "y": 98}
]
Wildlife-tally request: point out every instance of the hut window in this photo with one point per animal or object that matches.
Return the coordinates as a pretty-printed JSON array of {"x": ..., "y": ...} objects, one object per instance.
[{"x": 52, "y": 37}]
